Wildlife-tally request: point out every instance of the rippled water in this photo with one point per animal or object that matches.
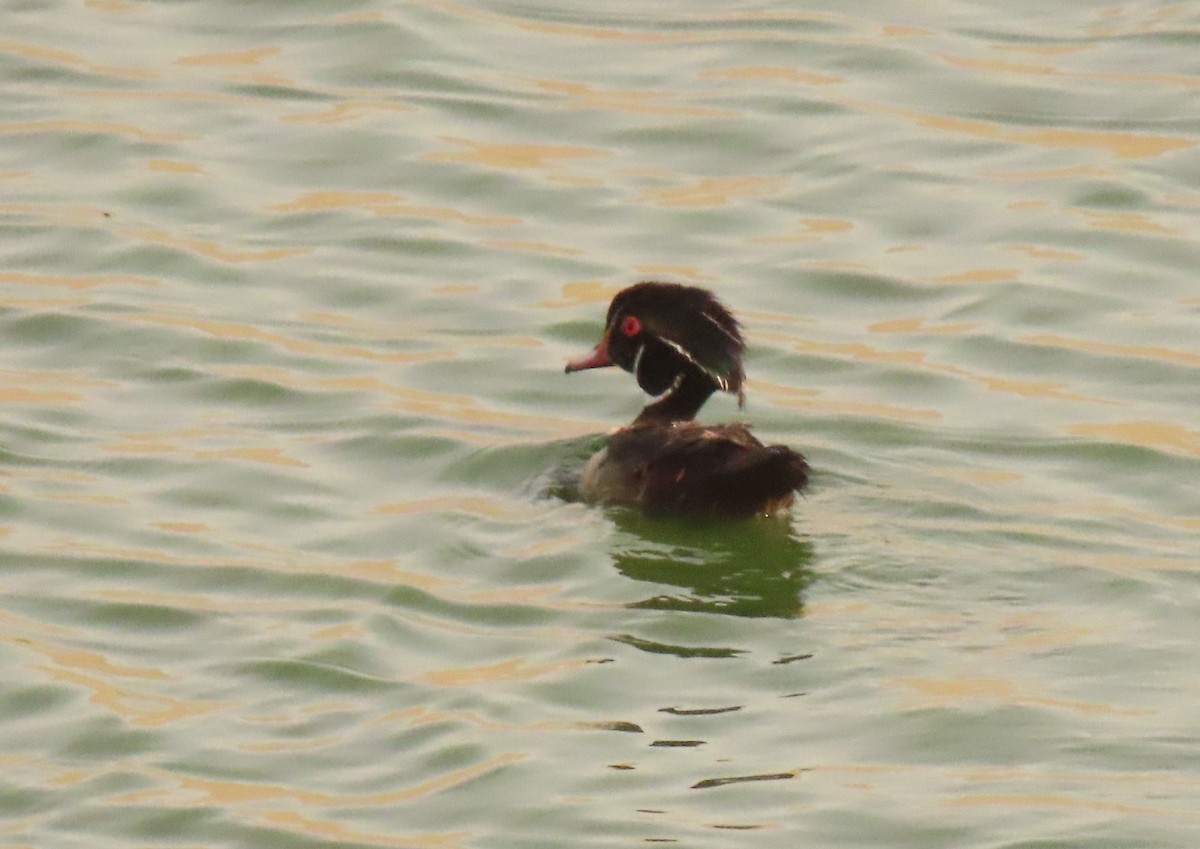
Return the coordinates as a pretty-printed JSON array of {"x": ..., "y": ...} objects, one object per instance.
[{"x": 285, "y": 294}]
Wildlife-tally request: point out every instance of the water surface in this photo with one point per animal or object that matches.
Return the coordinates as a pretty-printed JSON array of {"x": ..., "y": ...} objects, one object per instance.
[{"x": 285, "y": 295}]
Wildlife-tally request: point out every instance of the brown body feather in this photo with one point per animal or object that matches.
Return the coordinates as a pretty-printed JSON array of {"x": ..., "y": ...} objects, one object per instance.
[{"x": 690, "y": 469}]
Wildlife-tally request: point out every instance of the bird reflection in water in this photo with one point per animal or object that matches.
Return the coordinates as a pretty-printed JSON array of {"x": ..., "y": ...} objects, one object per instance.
[
  {"x": 759, "y": 568},
  {"x": 755, "y": 568}
]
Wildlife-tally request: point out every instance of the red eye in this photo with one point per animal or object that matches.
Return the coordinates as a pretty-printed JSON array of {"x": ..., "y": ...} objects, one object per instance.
[{"x": 631, "y": 326}]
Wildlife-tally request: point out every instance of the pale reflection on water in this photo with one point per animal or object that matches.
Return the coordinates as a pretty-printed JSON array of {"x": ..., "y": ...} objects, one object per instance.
[{"x": 288, "y": 556}]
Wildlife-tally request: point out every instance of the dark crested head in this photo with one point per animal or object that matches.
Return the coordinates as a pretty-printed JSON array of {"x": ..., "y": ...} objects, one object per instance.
[{"x": 660, "y": 332}]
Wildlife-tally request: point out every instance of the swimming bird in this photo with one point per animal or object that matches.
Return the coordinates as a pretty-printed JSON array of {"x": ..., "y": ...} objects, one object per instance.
[{"x": 682, "y": 345}]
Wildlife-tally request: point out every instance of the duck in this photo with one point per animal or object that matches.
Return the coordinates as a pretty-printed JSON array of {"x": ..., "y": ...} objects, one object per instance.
[{"x": 682, "y": 344}]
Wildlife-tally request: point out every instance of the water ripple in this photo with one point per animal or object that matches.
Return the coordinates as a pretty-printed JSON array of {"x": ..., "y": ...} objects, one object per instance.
[{"x": 289, "y": 547}]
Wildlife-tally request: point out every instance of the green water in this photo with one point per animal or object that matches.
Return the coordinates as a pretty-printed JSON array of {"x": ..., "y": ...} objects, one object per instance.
[{"x": 285, "y": 296}]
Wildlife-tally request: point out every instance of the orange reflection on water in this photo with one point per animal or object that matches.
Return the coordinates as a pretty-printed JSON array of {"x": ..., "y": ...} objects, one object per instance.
[
  {"x": 1123, "y": 145},
  {"x": 345, "y": 631},
  {"x": 49, "y": 397},
  {"x": 203, "y": 792},
  {"x": 75, "y": 282},
  {"x": 461, "y": 409},
  {"x": 1067, "y": 172},
  {"x": 980, "y": 275},
  {"x": 363, "y": 17},
  {"x": 1001, "y": 66},
  {"x": 1160, "y": 436},
  {"x": 1036, "y": 389},
  {"x": 544, "y": 248},
  {"x": 56, "y": 304},
  {"x": 238, "y": 58},
  {"x": 360, "y": 326},
  {"x": 853, "y": 350},
  {"x": 141, "y": 445},
  {"x": 658, "y": 36},
  {"x": 690, "y": 272},
  {"x": 184, "y": 96},
  {"x": 916, "y": 324},
  {"x": 899, "y": 31},
  {"x": 558, "y": 545},
  {"x": 1053, "y": 254},
  {"x": 273, "y": 804},
  {"x": 990, "y": 477},
  {"x": 578, "y": 294},
  {"x": 88, "y": 548},
  {"x": 211, "y": 249},
  {"x": 457, "y": 290},
  {"x": 63, "y": 59},
  {"x": 172, "y": 166},
  {"x": 946, "y": 692},
  {"x": 772, "y": 73},
  {"x": 134, "y": 706},
  {"x": 1043, "y": 49},
  {"x": 808, "y": 230},
  {"x": 1124, "y": 222},
  {"x": 842, "y": 265},
  {"x": 304, "y": 744},
  {"x": 118, "y": 6},
  {"x": 340, "y": 113},
  {"x": 85, "y": 498},
  {"x": 1127, "y": 564},
  {"x": 633, "y": 101},
  {"x": 715, "y": 191},
  {"x": 1030, "y": 633},
  {"x": 268, "y": 456},
  {"x": 513, "y": 156},
  {"x": 1146, "y": 352},
  {"x": 507, "y": 670},
  {"x": 1109, "y": 507},
  {"x": 1092, "y": 786},
  {"x": 813, "y": 401},
  {"x": 481, "y": 507},
  {"x": 94, "y": 672},
  {"x": 384, "y": 204},
  {"x": 918, "y": 359},
  {"x": 328, "y": 832},
  {"x": 1049, "y": 800},
  {"x": 467, "y": 410},
  {"x": 282, "y": 561},
  {"x": 540, "y": 595},
  {"x": 46, "y": 387},
  {"x": 776, "y": 317},
  {"x": 183, "y": 527},
  {"x": 388, "y": 572},
  {"x": 63, "y": 125},
  {"x": 231, "y": 330},
  {"x": 97, "y": 663},
  {"x": 420, "y": 715}
]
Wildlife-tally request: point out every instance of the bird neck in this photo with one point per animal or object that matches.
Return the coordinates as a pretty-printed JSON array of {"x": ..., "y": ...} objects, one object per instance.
[{"x": 681, "y": 402}]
